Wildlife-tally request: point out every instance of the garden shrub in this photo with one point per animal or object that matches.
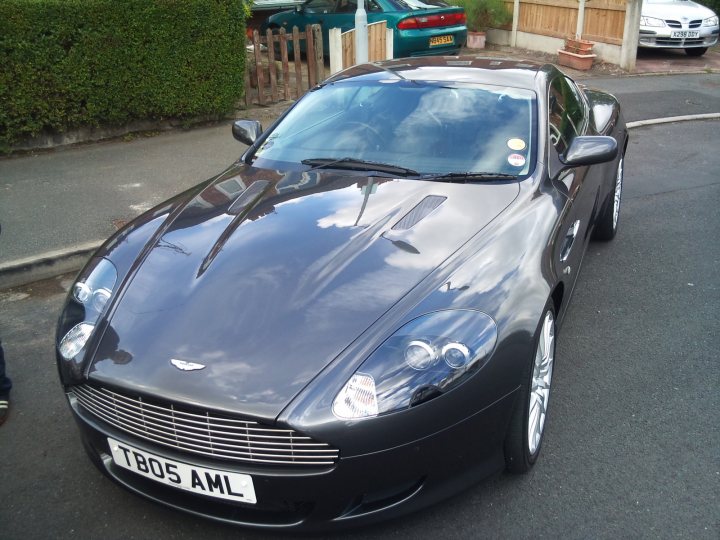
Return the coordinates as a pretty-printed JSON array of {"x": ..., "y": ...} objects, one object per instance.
[{"x": 71, "y": 63}]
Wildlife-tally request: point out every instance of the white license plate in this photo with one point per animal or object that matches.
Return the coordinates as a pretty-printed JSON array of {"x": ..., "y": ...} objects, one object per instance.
[
  {"x": 210, "y": 482},
  {"x": 685, "y": 34}
]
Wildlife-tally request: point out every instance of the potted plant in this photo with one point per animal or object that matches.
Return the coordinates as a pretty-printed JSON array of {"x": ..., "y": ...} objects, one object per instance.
[
  {"x": 577, "y": 53},
  {"x": 481, "y": 15},
  {"x": 578, "y": 45}
]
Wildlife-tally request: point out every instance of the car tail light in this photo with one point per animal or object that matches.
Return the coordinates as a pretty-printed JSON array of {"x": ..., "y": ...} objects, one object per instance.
[{"x": 432, "y": 21}]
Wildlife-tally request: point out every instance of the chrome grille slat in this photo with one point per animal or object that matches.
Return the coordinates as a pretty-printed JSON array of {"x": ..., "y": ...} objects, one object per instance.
[
  {"x": 205, "y": 434},
  {"x": 199, "y": 449},
  {"x": 172, "y": 427},
  {"x": 114, "y": 398}
]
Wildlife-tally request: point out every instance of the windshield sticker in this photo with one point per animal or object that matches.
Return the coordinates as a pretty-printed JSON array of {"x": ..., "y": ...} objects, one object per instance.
[
  {"x": 516, "y": 160},
  {"x": 516, "y": 144}
]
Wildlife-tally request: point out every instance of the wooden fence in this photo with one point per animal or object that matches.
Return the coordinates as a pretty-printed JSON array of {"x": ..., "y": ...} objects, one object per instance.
[
  {"x": 603, "y": 19},
  {"x": 377, "y": 43},
  {"x": 269, "y": 76}
]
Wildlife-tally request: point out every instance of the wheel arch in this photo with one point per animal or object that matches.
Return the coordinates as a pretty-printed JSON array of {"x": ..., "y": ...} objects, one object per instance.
[{"x": 557, "y": 296}]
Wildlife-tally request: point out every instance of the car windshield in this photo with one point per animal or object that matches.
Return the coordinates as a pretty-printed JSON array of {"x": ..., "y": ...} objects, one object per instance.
[{"x": 428, "y": 127}]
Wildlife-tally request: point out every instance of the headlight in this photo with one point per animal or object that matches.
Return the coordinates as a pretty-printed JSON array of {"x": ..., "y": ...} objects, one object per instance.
[
  {"x": 651, "y": 21},
  {"x": 86, "y": 303},
  {"x": 424, "y": 359},
  {"x": 710, "y": 21}
]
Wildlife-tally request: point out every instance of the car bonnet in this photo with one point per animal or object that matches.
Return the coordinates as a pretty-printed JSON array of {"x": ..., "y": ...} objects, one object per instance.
[{"x": 261, "y": 288}]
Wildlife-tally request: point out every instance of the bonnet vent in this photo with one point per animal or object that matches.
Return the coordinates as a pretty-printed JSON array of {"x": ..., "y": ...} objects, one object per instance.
[
  {"x": 419, "y": 212},
  {"x": 248, "y": 197}
]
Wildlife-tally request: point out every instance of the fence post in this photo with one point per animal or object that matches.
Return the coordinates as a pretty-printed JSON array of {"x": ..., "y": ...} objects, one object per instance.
[
  {"x": 319, "y": 54},
  {"x": 580, "y": 26},
  {"x": 389, "y": 44},
  {"x": 298, "y": 63},
  {"x": 284, "y": 59},
  {"x": 272, "y": 68},
  {"x": 361, "y": 34},
  {"x": 631, "y": 36},
  {"x": 516, "y": 19},
  {"x": 258, "y": 67},
  {"x": 335, "y": 50}
]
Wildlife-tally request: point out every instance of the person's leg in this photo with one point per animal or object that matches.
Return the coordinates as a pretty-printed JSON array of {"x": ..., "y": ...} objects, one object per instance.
[{"x": 5, "y": 385}]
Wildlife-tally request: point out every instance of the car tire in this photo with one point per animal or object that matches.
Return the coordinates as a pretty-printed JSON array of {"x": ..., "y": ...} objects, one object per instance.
[
  {"x": 527, "y": 425},
  {"x": 696, "y": 51},
  {"x": 607, "y": 222}
]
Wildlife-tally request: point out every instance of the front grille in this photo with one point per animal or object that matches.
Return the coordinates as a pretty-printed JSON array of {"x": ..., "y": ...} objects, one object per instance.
[
  {"x": 670, "y": 42},
  {"x": 203, "y": 433},
  {"x": 677, "y": 24}
]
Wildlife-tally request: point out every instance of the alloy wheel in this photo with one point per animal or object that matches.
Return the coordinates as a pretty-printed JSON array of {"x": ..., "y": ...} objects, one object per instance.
[
  {"x": 618, "y": 192},
  {"x": 540, "y": 383}
]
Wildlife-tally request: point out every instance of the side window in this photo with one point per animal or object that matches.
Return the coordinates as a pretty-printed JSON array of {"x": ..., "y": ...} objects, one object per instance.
[
  {"x": 346, "y": 6},
  {"x": 319, "y": 6},
  {"x": 350, "y": 6},
  {"x": 566, "y": 113}
]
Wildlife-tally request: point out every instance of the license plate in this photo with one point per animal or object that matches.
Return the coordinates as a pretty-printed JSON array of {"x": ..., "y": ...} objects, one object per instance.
[
  {"x": 210, "y": 482},
  {"x": 685, "y": 34},
  {"x": 441, "y": 40}
]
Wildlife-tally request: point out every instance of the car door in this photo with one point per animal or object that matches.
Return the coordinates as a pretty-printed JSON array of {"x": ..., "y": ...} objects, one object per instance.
[
  {"x": 343, "y": 16},
  {"x": 568, "y": 119},
  {"x": 318, "y": 12}
]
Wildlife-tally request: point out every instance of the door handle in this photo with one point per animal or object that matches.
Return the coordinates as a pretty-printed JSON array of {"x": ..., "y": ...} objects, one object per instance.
[{"x": 569, "y": 240}]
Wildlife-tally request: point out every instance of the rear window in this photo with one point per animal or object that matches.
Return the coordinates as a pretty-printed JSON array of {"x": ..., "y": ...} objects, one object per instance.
[
  {"x": 402, "y": 5},
  {"x": 430, "y": 127}
]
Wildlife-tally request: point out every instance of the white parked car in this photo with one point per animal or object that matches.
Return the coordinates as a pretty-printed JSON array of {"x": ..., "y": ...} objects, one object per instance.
[{"x": 678, "y": 24}]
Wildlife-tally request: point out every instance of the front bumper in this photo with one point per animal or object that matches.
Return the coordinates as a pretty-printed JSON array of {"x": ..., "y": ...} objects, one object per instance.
[
  {"x": 662, "y": 38},
  {"x": 361, "y": 489}
]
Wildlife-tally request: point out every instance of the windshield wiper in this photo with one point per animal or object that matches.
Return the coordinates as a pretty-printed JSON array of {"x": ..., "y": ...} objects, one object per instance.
[
  {"x": 357, "y": 165},
  {"x": 463, "y": 177}
]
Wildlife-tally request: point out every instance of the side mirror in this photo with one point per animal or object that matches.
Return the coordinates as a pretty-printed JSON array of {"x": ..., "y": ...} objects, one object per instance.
[
  {"x": 246, "y": 131},
  {"x": 299, "y": 8},
  {"x": 590, "y": 150}
]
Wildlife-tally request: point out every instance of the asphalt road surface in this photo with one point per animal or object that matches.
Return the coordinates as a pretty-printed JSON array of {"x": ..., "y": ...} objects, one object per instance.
[{"x": 632, "y": 447}]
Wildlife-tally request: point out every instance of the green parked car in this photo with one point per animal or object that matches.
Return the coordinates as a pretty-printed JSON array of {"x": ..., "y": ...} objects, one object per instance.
[{"x": 420, "y": 28}]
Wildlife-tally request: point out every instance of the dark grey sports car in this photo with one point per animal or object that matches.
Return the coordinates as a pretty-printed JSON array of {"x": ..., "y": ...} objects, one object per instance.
[{"x": 358, "y": 317}]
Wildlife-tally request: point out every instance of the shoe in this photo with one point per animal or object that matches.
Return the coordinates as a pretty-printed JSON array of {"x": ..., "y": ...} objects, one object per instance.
[{"x": 4, "y": 409}]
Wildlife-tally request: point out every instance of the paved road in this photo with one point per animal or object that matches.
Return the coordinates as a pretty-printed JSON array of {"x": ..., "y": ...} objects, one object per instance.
[
  {"x": 632, "y": 441},
  {"x": 655, "y": 96}
]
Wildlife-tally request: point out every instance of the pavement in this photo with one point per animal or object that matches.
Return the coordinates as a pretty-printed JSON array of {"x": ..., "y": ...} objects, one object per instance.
[{"x": 56, "y": 207}]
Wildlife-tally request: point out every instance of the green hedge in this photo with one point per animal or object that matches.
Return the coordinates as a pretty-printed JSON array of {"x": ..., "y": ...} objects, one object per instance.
[
  {"x": 712, "y": 4},
  {"x": 71, "y": 63}
]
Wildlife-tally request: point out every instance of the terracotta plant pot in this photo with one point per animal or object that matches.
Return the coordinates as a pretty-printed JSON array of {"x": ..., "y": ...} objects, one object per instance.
[
  {"x": 582, "y": 62},
  {"x": 578, "y": 46},
  {"x": 476, "y": 40}
]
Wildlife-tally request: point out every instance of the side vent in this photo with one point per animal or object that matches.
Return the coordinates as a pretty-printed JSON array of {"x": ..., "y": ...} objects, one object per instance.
[{"x": 419, "y": 212}]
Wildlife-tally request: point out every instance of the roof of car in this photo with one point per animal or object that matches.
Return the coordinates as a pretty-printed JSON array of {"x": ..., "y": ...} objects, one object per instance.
[{"x": 501, "y": 71}]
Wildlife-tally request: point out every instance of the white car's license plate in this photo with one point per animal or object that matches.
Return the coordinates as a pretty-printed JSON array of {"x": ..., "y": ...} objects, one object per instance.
[
  {"x": 210, "y": 482},
  {"x": 685, "y": 34}
]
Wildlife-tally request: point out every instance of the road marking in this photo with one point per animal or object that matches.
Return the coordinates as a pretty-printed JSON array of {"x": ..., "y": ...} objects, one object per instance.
[{"x": 672, "y": 119}]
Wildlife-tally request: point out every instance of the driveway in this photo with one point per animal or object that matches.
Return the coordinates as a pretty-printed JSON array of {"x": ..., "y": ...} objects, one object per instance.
[{"x": 676, "y": 61}]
